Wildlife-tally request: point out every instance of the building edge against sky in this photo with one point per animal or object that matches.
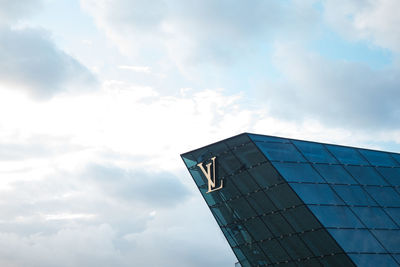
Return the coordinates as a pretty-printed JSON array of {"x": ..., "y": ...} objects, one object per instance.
[{"x": 300, "y": 203}]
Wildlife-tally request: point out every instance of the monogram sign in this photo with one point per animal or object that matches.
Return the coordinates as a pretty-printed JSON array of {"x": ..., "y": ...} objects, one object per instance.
[{"x": 209, "y": 173}]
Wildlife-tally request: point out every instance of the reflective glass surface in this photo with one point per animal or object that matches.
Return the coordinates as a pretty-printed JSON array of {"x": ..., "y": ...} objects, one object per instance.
[{"x": 314, "y": 152}]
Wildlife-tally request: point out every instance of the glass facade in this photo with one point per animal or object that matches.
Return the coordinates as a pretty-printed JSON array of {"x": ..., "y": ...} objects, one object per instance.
[{"x": 300, "y": 203}]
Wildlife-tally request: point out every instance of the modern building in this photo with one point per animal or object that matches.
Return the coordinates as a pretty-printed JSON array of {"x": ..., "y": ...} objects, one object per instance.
[{"x": 286, "y": 202}]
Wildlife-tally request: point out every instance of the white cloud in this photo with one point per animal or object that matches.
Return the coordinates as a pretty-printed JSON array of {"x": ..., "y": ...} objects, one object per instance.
[
  {"x": 143, "y": 69},
  {"x": 11, "y": 11}
]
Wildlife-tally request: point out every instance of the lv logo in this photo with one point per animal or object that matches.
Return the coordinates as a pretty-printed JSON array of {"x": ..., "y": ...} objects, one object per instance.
[{"x": 211, "y": 177}]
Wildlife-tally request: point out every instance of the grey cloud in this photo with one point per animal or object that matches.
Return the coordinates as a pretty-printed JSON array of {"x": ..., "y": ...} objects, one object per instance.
[
  {"x": 29, "y": 60},
  {"x": 347, "y": 94}
]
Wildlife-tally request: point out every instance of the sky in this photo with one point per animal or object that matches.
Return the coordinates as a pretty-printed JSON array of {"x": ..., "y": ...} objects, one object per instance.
[{"x": 98, "y": 99}]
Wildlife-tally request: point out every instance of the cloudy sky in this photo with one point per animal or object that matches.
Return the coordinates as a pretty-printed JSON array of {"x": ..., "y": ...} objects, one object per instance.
[{"x": 98, "y": 98}]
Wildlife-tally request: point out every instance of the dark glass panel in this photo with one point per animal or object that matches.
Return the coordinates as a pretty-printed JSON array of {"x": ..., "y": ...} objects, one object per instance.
[
  {"x": 392, "y": 175},
  {"x": 283, "y": 196},
  {"x": 254, "y": 254},
  {"x": 396, "y": 156},
  {"x": 336, "y": 216},
  {"x": 239, "y": 234},
  {"x": 274, "y": 251},
  {"x": 227, "y": 234},
  {"x": 373, "y": 260},
  {"x": 198, "y": 178},
  {"x": 241, "y": 257},
  {"x": 228, "y": 190},
  {"x": 277, "y": 224},
  {"x": 378, "y": 158},
  {"x": 359, "y": 240},
  {"x": 374, "y": 217},
  {"x": 366, "y": 175},
  {"x": 385, "y": 196},
  {"x": 224, "y": 214},
  {"x": 264, "y": 138},
  {"x": 298, "y": 172},
  {"x": 295, "y": 247},
  {"x": 249, "y": 154},
  {"x": 241, "y": 208},
  {"x": 244, "y": 182},
  {"x": 346, "y": 155},
  {"x": 336, "y": 260},
  {"x": 218, "y": 148},
  {"x": 314, "y": 152},
  {"x": 260, "y": 203},
  {"x": 316, "y": 193},
  {"x": 229, "y": 163},
  {"x": 211, "y": 198},
  {"x": 394, "y": 213},
  {"x": 280, "y": 152},
  {"x": 390, "y": 239},
  {"x": 320, "y": 242},
  {"x": 201, "y": 154},
  {"x": 257, "y": 229},
  {"x": 354, "y": 195},
  {"x": 301, "y": 219},
  {"x": 265, "y": 175},
  {"x": 237, "y": 140},
  {"x": 334, "y": 174}
]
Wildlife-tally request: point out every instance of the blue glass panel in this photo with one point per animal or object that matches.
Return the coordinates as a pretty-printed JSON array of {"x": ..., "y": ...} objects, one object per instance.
[
  {"x": 356, "y": 240},
  {"x": 378, "y": 158},
  {"x": 298, "y": 172},
  {"x": 280, "y": 152},
  {"x": 374, "y": 217},
  {"x": 392, "y": 175},
  {"x": 354, "y": 195},
  {"x": 189, "y": 162},
  {"x": 366, "y": 175},
  {"x": 396, "y": 156},
  {"x": 316, "y": 193},
  {"x": 390, "y": 239},
  {"x": 336, "y": 216},
  {"x": 394, "y": 213},
  {"x": 385, "y": 196},
  {"x": 314, "y": 152},
  {"x": 198, "y": 177},
  {"x": 347, "y": 155},
  {"x": 265, "y": 138},
  {"x": 335, "y": 174},
  {"x": 373, "y": 260}
]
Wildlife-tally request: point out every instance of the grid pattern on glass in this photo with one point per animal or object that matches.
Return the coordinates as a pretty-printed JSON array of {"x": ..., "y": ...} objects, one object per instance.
[
  {"x": 259, "y": 213},
  {"x": 360, "y": 186}
]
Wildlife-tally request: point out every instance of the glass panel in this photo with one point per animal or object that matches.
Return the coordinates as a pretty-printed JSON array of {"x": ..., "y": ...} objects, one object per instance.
[
  {"x": 314, "y": 152},
  {"x": 189, "y": 160},
  {"x": 346, "y": 155},
  {"x": 244, "y": 182},
  {"x": 257, "y": 229},
  {"x": 392, "y": 175},
  {"x": 366, "y": 175},
  {"x": 283, "y": 196},
  {"x": 254, "y": 254},
  {"x": 277, "y": 224},
  {"x": 198, "y": 178},
  {"x": 240, "y": 256},
  {"x": 301, "y": 219},
  {"x": 265, "y": 138},
  {"x": 385, "y": 196},
  {"x": 336, "y": 260},
  {"x": 320, "y": 242},
  {"x": 374, "y": 217},
  {"x": 298, "y": 172},
  {"x": 280, "y": 152},
  {"x": 295, "y": 247},
  {"x": 336, "y": 216},
  {"x": 261, "y": 203},
  {"x": 394, "y": 213},
  {"x": 223, "y": 214},
  {"x": 373, "y": 260},
  {"x": 378, "y": 158},
  {"x": 239, "y": 234},
  {"x": 229, "y": 163},
  {"x": 249, "y": 154},
  {"x": 396, "y": 156},
  {"x": 354, "y": 195},
  {"x": 228, "y": 190},
  {"x": 237, "y": 140},
  {"x": 274, "y": 251},
  {"x": 316, "y": 193},
  {"x": 356, "y": 240},
  {"x": 334, "y": 174},
  {"x": 265, "y": 175},
  {"x": 231, "y": 240},
  {"x": 390, "y": 239},
  {"x": 217, "y": 148},
  {"x": 241, "y": 208}
]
